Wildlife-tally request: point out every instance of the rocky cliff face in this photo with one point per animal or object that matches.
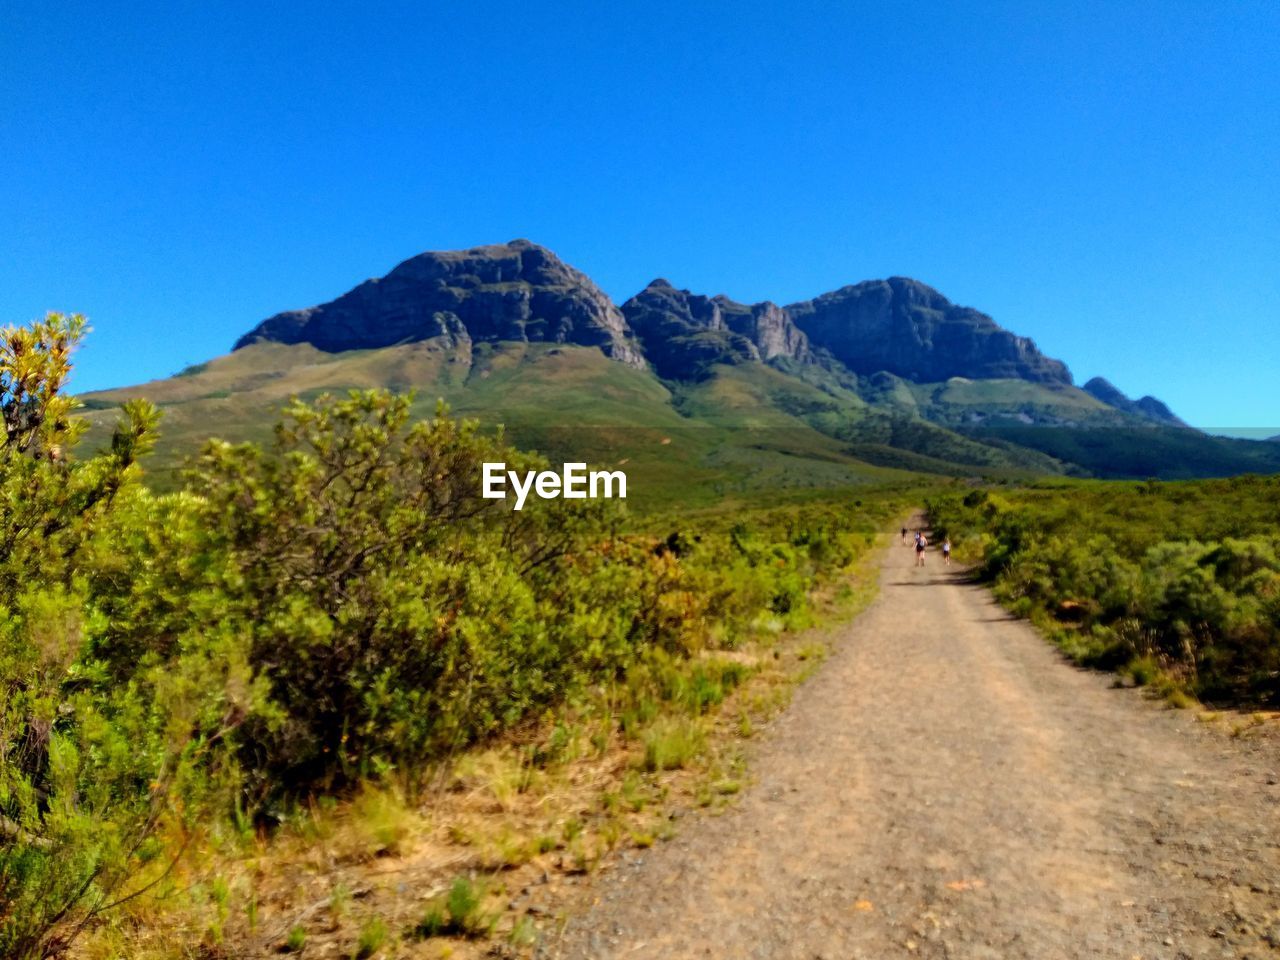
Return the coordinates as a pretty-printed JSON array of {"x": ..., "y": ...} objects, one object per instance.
[
  {"x": 511, "y": 291},
  {"x": 683, "y": 333},
  {"x": 1148, "y": 406},
  {"x": 521, "y": 291},
  {"x": 911, "y": 330}
]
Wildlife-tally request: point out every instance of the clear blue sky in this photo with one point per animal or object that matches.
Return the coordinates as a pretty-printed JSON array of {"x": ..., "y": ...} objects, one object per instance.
[{"x": 1103, "y": 177}]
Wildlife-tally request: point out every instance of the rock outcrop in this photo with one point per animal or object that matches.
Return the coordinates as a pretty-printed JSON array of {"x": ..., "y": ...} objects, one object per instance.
[
  {"x": 683, "y": 334},
  {"x": 911, "y": 330},
  {"x": 511, "y": 291}
]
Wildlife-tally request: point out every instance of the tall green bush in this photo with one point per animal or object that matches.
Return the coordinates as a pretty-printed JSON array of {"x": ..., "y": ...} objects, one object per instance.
[{"x": 96, "y": 765}]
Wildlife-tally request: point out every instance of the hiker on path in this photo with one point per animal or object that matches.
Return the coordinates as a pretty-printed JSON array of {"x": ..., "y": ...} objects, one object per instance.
[
  {"x": 946, "y": 551},
  {"x": 904, "y": 536},
  {"x": 921, "y": 543}
]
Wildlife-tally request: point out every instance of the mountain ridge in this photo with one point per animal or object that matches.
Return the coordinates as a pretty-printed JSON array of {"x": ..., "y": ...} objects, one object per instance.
[
  {"x": 1148, "y": 406},
  {"x": 513, "y": 291},
  {"x": 700, "y": 395},
  {"x": 909, "y": 329},
  {"x": 683, "y": 333},
  {"x": 522, "y": 291}
]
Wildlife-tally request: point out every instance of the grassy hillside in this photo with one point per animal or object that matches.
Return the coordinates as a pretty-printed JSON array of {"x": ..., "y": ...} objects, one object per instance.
[
  {"x": 963, "y": 402},
  {"x": 1139, "y": 452},
  {"x": 741, "y": 430}
]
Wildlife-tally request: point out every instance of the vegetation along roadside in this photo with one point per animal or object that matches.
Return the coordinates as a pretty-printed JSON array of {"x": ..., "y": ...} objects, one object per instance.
[
  {"x": 325, "y": 695},
  {"x": 1173, "y": 584}
]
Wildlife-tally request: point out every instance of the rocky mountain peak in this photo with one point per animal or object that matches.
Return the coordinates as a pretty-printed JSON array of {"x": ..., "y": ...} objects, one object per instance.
[
  {"x": 510, "y": 291},
  {"x": 520, "y": 290},
  {"x": 1158, "y": 410},
  {"x": 1100, "y": 388},
  {"x": 909, "y": 329},
  {"x": 684, "y": 333}
]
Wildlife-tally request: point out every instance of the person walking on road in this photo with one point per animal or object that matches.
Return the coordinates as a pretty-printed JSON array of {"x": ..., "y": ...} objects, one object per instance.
[
  {"x": 904, "y": 536},
  {"x": 946, "y": 551},
  {"x": 921, "y": 543}
]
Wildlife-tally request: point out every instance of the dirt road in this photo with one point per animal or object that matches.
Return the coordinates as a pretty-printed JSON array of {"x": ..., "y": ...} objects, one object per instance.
[{"x": 948, "y": 787}]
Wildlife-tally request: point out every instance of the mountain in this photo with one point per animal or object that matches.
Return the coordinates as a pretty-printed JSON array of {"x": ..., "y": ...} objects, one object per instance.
[
  {"x": 520, "y": 291},
  {"x": 911, "y": 330},
  {"x": 511, "y": 291},
  {"x": 702, "y": 397},
  {"x": 684, "y": 334},
  {"x": 1148, "y": 407}
]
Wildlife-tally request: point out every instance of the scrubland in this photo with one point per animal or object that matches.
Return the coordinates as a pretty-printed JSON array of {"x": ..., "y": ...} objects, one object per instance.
[
  {"x": 1173, "y": 584},
  {"x": 325, "y": 698}
]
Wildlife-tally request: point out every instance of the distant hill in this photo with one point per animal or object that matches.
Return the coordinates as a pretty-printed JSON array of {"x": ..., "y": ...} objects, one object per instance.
[
  {"x": 703, "y": 396},
  {"x": 567, "y": 401},
  {"x": 1134, "y": 453},
  {"x": 1147, "y": 407}
]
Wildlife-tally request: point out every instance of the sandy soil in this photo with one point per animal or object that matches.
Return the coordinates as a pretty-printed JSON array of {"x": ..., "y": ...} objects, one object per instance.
[{"x": 948, "y": 787}]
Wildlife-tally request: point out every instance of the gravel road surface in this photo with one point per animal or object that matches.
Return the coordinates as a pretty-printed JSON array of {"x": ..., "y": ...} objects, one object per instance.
[{"x": 948, "y": 787}]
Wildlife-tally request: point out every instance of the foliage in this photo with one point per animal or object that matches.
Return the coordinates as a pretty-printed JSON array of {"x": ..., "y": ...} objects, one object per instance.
[
  {"x": 372, "y": 937},
  {"x": 1181, "y": 576},
  {"x": 307, "y": 616},
  {"x": 398, "y": 617},
  {"x": 96, "y": 768},
  {"x": 394, "y": 612}
]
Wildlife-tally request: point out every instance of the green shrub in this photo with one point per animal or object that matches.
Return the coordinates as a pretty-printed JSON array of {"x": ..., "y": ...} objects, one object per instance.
[
  {"x": 672, "y": 742},
  {"x": 372, "y": 937},
  {"x": 1144, "y": 671},
  {"x": 1182, "y": 579},
  {"x": 106, "y": 752}
]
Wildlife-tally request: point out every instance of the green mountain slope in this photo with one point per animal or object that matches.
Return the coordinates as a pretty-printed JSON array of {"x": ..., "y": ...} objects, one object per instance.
[
  {"x": 569, "y": 402},
  {"x": 1139, "y": 452},
  {"x": 697, "y": 396},
  {"x": 739, "y": 430}
]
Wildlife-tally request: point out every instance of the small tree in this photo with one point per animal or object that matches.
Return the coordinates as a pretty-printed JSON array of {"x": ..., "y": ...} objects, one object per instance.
[{"x": 94, "y": 768}]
